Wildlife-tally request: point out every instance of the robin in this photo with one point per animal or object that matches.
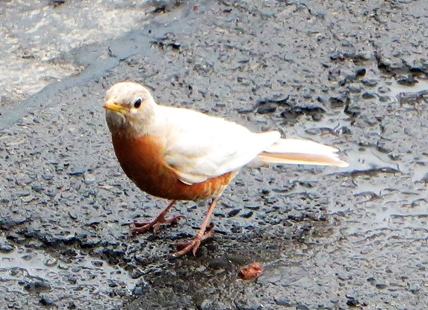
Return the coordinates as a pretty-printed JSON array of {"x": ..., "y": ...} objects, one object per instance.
[{"x": 182, "y": 154}]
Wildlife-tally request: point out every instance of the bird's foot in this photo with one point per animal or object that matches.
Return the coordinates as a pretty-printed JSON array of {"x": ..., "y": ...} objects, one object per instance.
[
  {"x": 141, "y": 227},
  {"x": 187, "y": 246}
]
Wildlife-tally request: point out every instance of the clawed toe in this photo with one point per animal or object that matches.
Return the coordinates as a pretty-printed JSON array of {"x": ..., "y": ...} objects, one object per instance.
[
  {"x": 187, "y": 246},
  {"x": 141, "y": 227}
]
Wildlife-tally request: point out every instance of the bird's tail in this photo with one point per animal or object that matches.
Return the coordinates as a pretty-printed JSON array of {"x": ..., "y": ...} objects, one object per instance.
[{"x": 297, "y": 151}]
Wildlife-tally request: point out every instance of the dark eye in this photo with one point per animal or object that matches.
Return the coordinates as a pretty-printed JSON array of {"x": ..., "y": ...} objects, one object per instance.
[{"x": 137, "y": 103}]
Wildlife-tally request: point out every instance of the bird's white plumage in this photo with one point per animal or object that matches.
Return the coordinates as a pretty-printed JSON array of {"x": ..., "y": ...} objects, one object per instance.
[
  {"x": 204, "y": 146},
  {"x": 300, "y": 146},
  {"x": 198, "y": 146}
]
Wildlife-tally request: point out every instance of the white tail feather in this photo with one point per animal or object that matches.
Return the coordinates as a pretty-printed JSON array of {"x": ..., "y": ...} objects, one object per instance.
[{"x": 296, "y": 151}]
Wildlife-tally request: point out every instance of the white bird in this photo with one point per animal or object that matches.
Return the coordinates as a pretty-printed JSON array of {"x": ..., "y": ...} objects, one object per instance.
[{"x": 182, "y": 154}]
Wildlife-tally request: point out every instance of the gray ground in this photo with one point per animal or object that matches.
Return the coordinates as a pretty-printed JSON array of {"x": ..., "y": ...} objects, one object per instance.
[{"x": 349, "y": 74}]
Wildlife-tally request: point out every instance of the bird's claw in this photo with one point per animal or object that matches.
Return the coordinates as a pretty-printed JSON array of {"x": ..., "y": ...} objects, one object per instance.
[
  {"x": 187, "y": 246},
  {"x": 141, "y": 227}
]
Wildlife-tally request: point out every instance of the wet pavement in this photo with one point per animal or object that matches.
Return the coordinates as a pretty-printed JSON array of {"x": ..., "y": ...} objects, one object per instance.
[{"x": 352, "y": 74}]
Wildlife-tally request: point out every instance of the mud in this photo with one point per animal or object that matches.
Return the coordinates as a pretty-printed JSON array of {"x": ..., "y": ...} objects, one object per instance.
[{"x": 352, "y": 74}]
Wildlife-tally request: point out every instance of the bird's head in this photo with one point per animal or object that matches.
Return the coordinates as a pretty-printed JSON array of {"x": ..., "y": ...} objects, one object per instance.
[{"x": 129, "y": 108}]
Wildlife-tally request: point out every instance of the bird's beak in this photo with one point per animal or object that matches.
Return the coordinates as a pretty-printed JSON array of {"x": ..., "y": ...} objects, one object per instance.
[{"x": 112, "y": 106}]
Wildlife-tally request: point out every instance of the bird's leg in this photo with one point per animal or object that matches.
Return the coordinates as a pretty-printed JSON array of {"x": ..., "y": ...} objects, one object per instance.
[
  {"x": 204, "y": 232},
  {"x": 140, "y": 227}
]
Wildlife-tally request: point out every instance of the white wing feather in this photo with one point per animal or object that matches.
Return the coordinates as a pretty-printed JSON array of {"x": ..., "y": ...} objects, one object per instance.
[{"x": 199, "y": 146}]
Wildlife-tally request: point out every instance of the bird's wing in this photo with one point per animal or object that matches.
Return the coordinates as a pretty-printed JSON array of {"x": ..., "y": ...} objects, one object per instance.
[{"x": 199, "y": 146}]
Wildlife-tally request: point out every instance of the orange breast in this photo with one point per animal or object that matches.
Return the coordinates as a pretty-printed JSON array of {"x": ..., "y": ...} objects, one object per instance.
[{"x": 143, "y": 162}]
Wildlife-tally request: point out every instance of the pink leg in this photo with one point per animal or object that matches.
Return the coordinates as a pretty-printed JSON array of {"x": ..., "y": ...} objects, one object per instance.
[
  {"x": 204, "y": 232},
  {"x": 141, "y": 227}
]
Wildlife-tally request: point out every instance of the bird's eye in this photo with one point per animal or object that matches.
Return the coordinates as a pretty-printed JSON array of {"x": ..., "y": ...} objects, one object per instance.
[{"x": 137, "y": 103}]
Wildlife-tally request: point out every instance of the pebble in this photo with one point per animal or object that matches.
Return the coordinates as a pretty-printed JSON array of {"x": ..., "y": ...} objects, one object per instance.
[
  {"x": 50, "y": 262},
  {"x": 381, "y": 285},
  {"x": 22, "y": 194},
  {"x": 266, "y": 108},
  {"x": 46, "y": 301},
  {"x": 383, "y": 89},
  {"x": 89, "y": 178},
  {"x": 247, "y": 215},
  {"x": 369, "y": 82},
  {"x": 50, "y": 192},
  {"x": 360, "y": 72},
  {"x": 408, "y": 80},
  {"x": 368, "y": 95},
  {"x": 37, "y": 286},
  {"x": 47, "y": 177},
  {"x": 37, "y": 188},
  {"x": 233, "y": 212},
  {"x": 338, "y": 102},
  {"x": 77, "y": 170},
  {"x": 97, "y": 263},
  {"x": 6, "y": 247},
  {"x": 352, "y": 301}
]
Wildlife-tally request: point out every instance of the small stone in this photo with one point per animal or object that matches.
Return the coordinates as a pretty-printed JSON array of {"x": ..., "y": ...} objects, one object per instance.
[
  {"x": 136, "y": 273},
  {"x": 23, "y": 194},
  {"x": 414, "y": 289},
  {"x": 89, "y": 178},
  {"x": 296, "y": 216},
  {"x": 384, "y": 99},
  {"x": 283, "y": 302},
  {"x": 255, "y": 208},
  {"x": 408, "y": 80},
  {"x": 317, "y": 117},
  {"x": 353, "y": 109},
  {"x": 71, "y": 305},
  {"x": 47, "y": 177},
  {"x": 352, "y": 301},
  {"x": 50, "y": 192},
  {"x": 247, "y": 304},
  {"x": 13, "y": 236},
  {"x": 37, "y": 286},
  {"x": 97, "y": 263},
  {"x": 381, "y": 285},
  {"x": 138, "y": 290},
  {"x": 360, "y": 72},
  {"x": 355, "y": 88},
  {"x": 46, "y": 301},
  {"x": 37, "y": 188},
  {"x": 338, "y": 102},
  {"x": 384, "y": 146},
  {"x": 233, "y": 212},
  {"x": 50, "y": 262},
  {"x": 383, "y": 89},
  {"x": 368, "y": 95},
  {"x": 6, "y": 247},
  {"x": 77, "y": 171},
  {"x": 369, "y": 82},
  {"x": 247, "y": 215},
  {"x": 266, "y": 108}
]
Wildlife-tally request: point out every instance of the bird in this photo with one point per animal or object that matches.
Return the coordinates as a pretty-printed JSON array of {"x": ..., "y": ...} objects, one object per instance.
[{"x": 181, "y": 154}]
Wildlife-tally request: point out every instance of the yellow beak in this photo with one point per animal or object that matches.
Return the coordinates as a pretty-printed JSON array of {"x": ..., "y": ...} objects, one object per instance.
[{"x": 112, "y": 106}]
